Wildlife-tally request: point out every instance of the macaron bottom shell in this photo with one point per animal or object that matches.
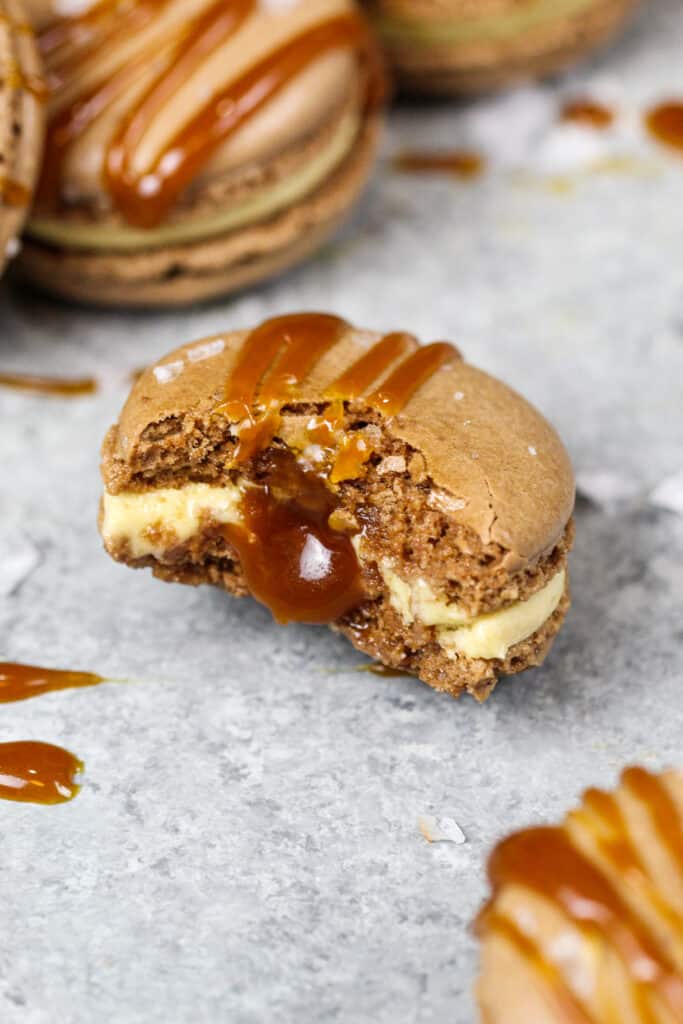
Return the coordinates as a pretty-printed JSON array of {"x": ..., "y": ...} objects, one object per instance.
[{"x": 184, "y": 273}]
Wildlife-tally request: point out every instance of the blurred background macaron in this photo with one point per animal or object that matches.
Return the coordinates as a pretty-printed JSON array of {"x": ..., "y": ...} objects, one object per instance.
[
  {"x": 449, "y": 47},
  {"x": 194, "y": 146},
  {"x": 22, "y": 100}
]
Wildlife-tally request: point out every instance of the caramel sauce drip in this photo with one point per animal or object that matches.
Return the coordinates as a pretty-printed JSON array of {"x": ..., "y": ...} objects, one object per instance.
[
  {"x": 144, "y": 199},
  {"x": 13, "y": 193},
  {"x": 362, "y": 374},
  {"x": 564, "y": 1003},
  {"x": 227, "y": 112},
  {"x": 292, "y": 560},
  {"x": 665, "y": 123},
  {"x": 545, "y": 861},
  {"x": 58, "y": 386},
  {"x": 652, "y": 792},
  {"x": 129, "y": 191},
  {"x": 37, "y": 773},
  {"x": 21, "y": 682},
  {"x": 583, "y": 110},
  {"x": 459, "y": 163},
  {"x": 399, "y": 387},
  {"x": 354, "y": 453},
  {"x": 261, "y": 349}
]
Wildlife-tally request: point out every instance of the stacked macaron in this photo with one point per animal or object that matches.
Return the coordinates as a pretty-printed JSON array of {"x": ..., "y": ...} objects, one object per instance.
[
  {"x": 461, "y": 46},
  {"x": 195, "y": 146},
  {"x": 22, "y": 96}
]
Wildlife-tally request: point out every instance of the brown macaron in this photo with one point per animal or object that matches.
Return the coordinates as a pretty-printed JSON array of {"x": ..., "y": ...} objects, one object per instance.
[
  {"x": 22, "y": 101},
  {"x": 388, "y": 489},
  {"x": 584, "y": 924},
  {"x": 197, "y": 146},
  {"x": 448, "y": 47}
]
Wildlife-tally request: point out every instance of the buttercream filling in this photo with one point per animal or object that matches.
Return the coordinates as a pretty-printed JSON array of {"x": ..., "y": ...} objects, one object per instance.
[
  {"x": 479, "y": 29},
  {"x": 144, "y": 520},
  {"x": 251, "y": 210},
  {"x": 152, "y": 522},
  {"x": 489, "y": 636}
]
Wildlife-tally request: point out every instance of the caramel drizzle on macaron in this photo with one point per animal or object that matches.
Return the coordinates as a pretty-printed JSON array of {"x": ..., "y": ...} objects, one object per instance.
[
  {"x": 548, "y": 863},
  {"x": 144, "y": 199},
  {"x": 13, "y": 193},
  {"x": 281, "y": 353}
]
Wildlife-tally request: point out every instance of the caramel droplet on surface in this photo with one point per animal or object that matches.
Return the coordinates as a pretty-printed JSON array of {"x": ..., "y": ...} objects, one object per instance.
[
  {"x": 21, "y": 682},
  {"x": 386, "y": 671},
  {"x": 61, "y": 387},
  {"x": 459, "y": 163},
  {"x": 583, "y": 110},
  {"x": 38, "y": 773},
  {"x": 665, "y": 123}
]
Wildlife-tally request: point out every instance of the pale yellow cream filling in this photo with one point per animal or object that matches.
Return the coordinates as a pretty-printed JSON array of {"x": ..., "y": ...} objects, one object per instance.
[
  {"x": 487, "y": 636},
  {"x": 256, "y": 208},
  {"x": 138, "y": 519},
  {"x": 478, "y": 29}
]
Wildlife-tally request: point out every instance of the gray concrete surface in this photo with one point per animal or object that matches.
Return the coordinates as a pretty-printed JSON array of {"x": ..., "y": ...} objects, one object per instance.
[{"x": 246, "y": 846}]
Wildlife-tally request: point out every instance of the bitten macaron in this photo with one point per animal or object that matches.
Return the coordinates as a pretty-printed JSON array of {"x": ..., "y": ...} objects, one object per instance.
[
  {"x": 197, "y": 146},
  {"x": 22, "y": 102},
  {"x": 344, "y": 477},
  {"x": 463, "y": 46}
]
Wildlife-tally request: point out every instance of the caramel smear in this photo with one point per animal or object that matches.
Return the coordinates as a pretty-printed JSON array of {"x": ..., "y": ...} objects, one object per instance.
[
  {"x": 459, "y": 163},
  {"x": 60, "y": 387},
  {"x": 38, "y": 773},
  {"x": 585, "y": 111},
  {"x": 21, "y": 682},
  {"x": 665, "y": 123}
]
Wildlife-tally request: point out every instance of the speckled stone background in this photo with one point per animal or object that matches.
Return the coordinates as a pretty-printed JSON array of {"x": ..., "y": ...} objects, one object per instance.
[{"x": 246, "y": 845}]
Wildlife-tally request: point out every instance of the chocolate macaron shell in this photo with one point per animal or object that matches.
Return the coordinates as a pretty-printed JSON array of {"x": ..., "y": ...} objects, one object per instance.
[
  {"x": 219, "y": 144},
  {"x": 184, "y": 274},
  {"x": 382, "y": 487},
  {"x": 22, "y": 99},
  {"x": 481, "y": 442},
  {"x": 583, "y": 923},
  {"x": 457, "y": 47}
]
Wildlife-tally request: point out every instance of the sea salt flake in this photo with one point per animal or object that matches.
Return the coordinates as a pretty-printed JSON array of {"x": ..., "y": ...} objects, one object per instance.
[
  {"x": 669, "y": 493},
  {"x": 441, "y": 830},
  {"x": 165, "y": 374},
  {"x": 206, "y": 350},
  {"x": 392, "y": 464},
  {"x": 12, "y": 248},
  {"x": 531, "y": 450},
  {"x": 459, "y": 395}
]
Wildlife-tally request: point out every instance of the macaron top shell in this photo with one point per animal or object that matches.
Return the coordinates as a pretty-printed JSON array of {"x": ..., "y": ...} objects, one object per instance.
[
  {"x": 154, "y": 102},
  {"x": 22, "y": 97},
  {"x": 501, "y": 463}
]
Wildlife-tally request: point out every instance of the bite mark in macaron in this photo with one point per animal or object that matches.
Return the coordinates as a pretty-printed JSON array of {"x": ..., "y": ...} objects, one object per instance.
[{"x": 386, "y": 488}]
